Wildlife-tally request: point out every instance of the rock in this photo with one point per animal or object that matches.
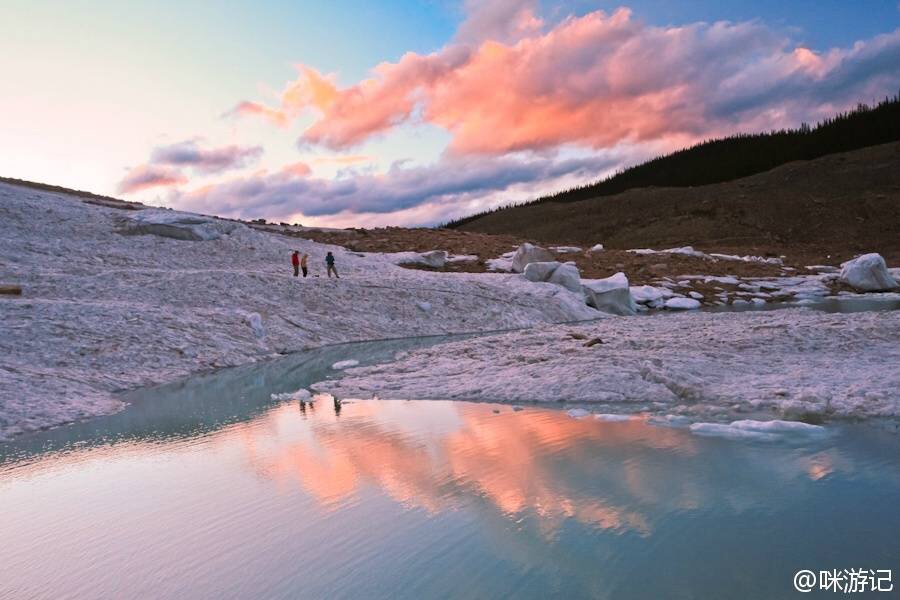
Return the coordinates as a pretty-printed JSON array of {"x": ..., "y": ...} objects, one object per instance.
[
  {"x": 529, "y": 253},
  {"x": 540, "y": 271},
  {"x": 10, "y": 289},
  {"x": 567, "y": 276},
  {"x": 592, "y": 342},
  {"x": 682, "y": 304},
  {"x": 611, "y": 294},
  {"x": 435, "y": 258},
  {"x": 178, "y": 225},
  {"x": 867, "y": 273}
]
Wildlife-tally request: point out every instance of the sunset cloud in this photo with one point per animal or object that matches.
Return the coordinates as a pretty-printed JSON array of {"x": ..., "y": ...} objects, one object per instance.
[
  {"x": 453, "y": 180},
  {"x": 509, "y": 82},
  {"x": 147, "y": 176},
  {"x": 205, "y": 161}
]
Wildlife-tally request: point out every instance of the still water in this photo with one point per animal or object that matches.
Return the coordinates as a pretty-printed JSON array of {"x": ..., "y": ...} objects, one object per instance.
[{"x": 208, "y": 489}]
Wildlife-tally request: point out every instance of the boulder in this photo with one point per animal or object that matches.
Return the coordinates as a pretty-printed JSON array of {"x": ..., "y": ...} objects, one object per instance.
[
  {"x": 529, "y": 253},
  {"x": 867, "y": 273},
  {"x": 178, "y": 225},
  {"x": 567, "y": 276},
  {"x": 611, "y": 295},
  {"x": 540, "y": 271}
]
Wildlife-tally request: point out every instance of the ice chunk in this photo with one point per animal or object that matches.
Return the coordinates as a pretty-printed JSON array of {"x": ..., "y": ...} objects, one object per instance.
[
  {"x": 612, "y": 418},
  {"x": 867, "y": 273},
  {"x": 529, "y": 253},
  {"x": 300, "y": 394},
  {"x": 597, "y": 248},
  {"x": 567, "y": 276},
  {"x": 758, "y": 430},
  {"x": 344, "y": 364},
  {"x": 578, "y": 413},
  {"x": 178, "y": 225},
  {"x": 682, "y": 304},
  {"x": 540, "y": 271},
  {"x": 611, "y": 294}
]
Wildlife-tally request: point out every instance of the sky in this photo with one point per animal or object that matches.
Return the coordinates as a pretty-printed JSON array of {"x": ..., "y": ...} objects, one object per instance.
[{"x": 401, "y": 112}]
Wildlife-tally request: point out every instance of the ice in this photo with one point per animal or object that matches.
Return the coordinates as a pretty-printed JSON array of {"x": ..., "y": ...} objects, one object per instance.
[
  {"x": 682, "y": 304},
  {"x": 867, "y": 273},
  {"x": 578, "y": 413},
  {"x": 344, "y": 364},
  {"x": 529, "y": 253},
  {"x": 769, "y": 431},
  {"x": 611, "y": 295},
  {"x": 103, "y": 312},
  {"x": 300, "y": 394},
  {"x": 614, "y": 418},
  {"x": 178, "y": 225},
  {"x": 597, "y": 248},
  {"x": 789, "y": 362}
]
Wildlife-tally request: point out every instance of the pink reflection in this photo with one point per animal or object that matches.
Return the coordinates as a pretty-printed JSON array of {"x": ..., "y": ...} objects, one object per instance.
[{"x": 509, "y": 459}]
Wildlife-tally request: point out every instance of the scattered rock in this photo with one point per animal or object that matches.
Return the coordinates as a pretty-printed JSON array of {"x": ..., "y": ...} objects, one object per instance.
[
  {"x": 593, "y": 342},
  {"x": 10, "y": 289},
  {"x": 529, "y": 253},
  {"x": 867, "y": 273}
]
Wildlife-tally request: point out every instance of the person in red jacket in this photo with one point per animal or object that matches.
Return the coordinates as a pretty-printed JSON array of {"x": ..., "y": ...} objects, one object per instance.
[{"x": 295, "y": 260}]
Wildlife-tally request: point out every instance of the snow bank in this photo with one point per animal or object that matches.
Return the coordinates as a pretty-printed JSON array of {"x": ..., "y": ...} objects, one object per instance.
[
  {"x": 867, "y": 273},
  {"x": 789, "y": 363},
  {"x": 102, "y": 311}
]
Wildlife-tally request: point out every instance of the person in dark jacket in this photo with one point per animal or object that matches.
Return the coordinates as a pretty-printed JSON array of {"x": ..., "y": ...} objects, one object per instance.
[{"x": 329, "y": 262}]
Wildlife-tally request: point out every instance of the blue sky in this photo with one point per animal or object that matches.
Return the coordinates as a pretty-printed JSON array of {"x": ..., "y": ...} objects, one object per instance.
[{"x": 93, "y": 90}]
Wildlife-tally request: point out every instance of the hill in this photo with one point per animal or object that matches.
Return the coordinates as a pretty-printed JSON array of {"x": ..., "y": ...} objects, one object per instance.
[{"x": 840, "y": 203}]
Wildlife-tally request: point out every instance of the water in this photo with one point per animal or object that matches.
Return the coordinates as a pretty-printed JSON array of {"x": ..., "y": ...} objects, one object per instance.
[{"x": 208, "y": 489}]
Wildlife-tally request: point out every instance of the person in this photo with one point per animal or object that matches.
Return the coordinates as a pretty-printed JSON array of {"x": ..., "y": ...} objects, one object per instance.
[
  {"x": 303, "y": 263},
  {"x": 329, "y": 260},
  {"x": 295, "y": 260}
]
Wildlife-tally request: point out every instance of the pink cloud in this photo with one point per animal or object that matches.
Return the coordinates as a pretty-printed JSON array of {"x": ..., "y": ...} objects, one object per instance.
[
  {"x": 143, "y": 177},
  {"x": 205, "y": 160},
  {"x": 298, "y": 169},
  {"x": 510, "y": 82}
]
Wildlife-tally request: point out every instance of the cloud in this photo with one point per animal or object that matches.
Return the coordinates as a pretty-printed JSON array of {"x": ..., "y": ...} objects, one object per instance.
[
  {"x": 143, "y": 177},
  {"x": 297, "y": 169},
  {"x": 205, "y": 161},
  {"x": 511, "y": 82},
  {"x": 460, "y": 182}
]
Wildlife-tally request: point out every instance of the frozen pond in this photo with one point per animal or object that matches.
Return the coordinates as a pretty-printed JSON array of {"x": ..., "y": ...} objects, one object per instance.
[{"x": 209, "y": 489}]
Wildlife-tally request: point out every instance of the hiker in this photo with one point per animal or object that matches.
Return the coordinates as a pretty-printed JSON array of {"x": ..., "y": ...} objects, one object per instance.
[
  {"x": 329, "y": 260},
  {"x": 295, "y": 260},
  {"x": 303, "y": 263}
]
